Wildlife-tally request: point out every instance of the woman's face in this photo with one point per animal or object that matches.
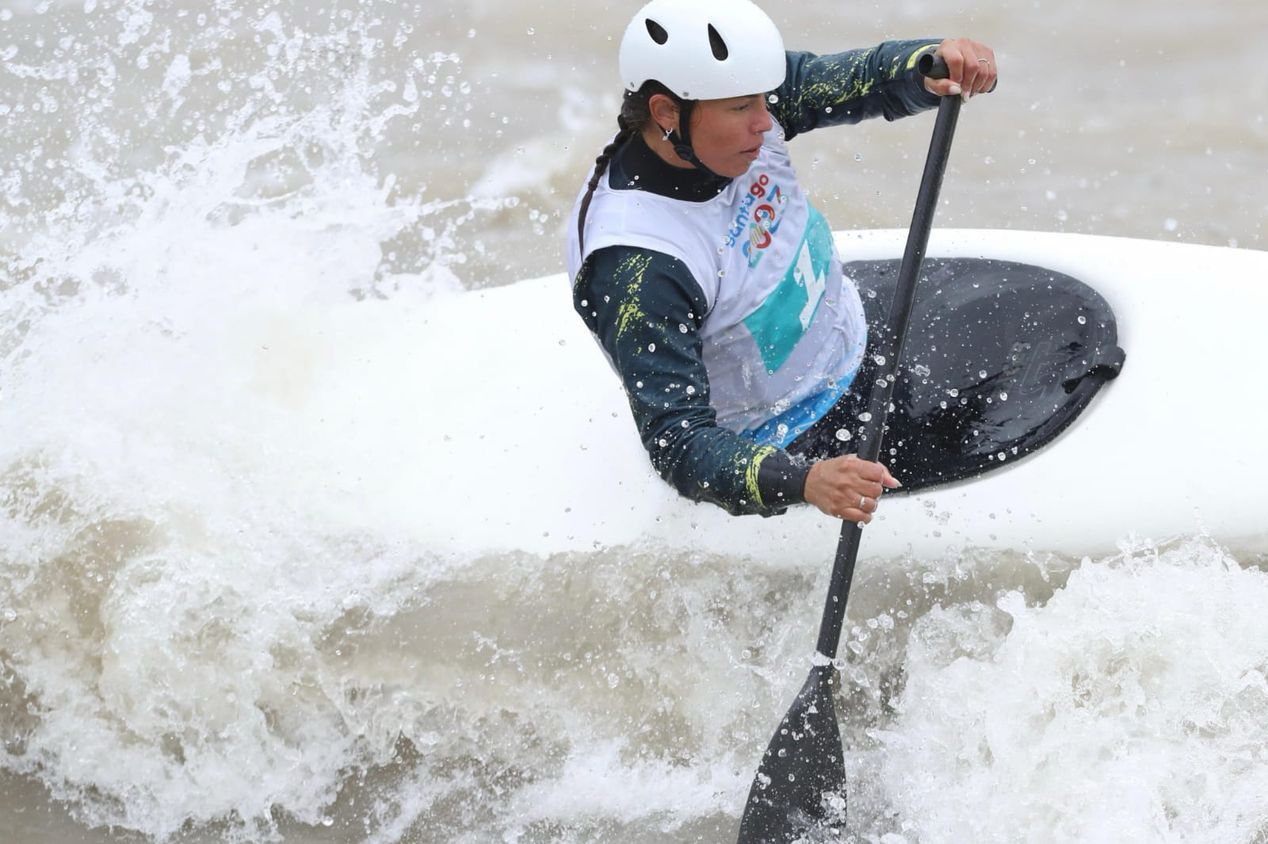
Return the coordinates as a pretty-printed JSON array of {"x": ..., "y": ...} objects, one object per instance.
[{"x": 727, "y": 134}]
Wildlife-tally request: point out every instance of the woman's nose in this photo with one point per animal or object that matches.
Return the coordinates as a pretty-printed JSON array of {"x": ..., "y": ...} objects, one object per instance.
[{"x": 763, "y": 124}]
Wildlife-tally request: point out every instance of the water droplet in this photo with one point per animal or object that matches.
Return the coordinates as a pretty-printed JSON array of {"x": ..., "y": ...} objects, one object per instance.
[
  {"x": 843, "y": 434},
  {"x": 865, "y": 417},
  {"x": 1082, "y": 320},
  {"x": 651, "y": 347},
  {"x": 532, "y": 31}
]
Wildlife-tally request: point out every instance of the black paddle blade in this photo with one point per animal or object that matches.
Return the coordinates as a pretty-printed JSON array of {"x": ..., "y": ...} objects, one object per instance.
[{"x": 801, "y": 782}]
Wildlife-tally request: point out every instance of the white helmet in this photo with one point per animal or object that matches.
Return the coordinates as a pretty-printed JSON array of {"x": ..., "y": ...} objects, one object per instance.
[{"x": 703, "y": 49}]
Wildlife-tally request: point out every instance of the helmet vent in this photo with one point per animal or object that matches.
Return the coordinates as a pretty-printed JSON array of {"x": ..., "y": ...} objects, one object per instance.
[
  {"x": 658, "y": 33},
  {"x": 720, "y": 52}
]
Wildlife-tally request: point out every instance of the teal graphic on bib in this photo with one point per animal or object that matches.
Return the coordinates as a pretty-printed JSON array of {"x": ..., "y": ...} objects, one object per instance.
[{"x": 783, "y": 318}]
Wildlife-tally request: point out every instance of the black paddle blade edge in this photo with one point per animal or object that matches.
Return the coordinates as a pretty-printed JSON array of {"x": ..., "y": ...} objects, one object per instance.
[{"x": 800, "y": 785}]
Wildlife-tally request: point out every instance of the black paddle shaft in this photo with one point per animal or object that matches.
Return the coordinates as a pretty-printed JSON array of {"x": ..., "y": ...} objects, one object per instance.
[{"x": 889, "y": 351}]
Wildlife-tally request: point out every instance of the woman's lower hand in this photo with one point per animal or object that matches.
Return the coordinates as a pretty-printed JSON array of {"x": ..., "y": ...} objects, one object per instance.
[{"x": 847, "y": 487}]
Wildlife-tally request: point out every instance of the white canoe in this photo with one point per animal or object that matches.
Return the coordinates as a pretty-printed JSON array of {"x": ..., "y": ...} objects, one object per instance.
[{"x": 1171, "y": 447}]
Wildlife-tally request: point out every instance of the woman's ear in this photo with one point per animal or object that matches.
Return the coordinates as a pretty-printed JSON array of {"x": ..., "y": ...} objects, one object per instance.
[{"x": 664, "y": 111}]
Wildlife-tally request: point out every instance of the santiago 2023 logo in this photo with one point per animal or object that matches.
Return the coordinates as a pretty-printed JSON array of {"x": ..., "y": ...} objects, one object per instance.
[{"x": 763, "y": 223}]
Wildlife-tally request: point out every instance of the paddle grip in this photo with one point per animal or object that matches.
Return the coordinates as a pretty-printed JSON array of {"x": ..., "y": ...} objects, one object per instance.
[{"x": 933, "y": 66}]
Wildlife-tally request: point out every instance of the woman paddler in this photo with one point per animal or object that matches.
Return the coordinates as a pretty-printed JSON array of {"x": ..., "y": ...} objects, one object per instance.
[{"x": 710, "y": 281}]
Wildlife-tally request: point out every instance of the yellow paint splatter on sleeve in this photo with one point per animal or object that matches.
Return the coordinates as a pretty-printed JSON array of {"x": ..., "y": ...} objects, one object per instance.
[
  {"x": 846, "y": 82},
  {"x": 631, "y": 310},
  {"x": 750, "y": 476}
]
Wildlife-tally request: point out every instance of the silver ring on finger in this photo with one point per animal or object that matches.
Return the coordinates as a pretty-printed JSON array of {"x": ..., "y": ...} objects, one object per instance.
[{"x": 863, "y": 503}]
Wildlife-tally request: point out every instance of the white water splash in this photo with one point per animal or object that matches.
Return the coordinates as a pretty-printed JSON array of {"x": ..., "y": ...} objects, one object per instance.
[{"x": 1129, "y": 707}]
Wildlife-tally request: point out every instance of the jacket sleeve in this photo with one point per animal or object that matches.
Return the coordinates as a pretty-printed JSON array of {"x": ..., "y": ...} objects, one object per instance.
[
  {"x": 880, "y": 81},
  {"x": 646, "y": 310}
]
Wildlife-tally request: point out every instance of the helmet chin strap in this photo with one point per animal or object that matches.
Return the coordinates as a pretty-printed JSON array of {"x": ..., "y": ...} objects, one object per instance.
[{"x": 681, "y": 139}]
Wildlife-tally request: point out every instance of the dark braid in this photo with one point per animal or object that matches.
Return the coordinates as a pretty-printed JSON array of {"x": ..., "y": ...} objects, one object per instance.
[
  {"x": 601, "y": 165},
  {"x": 635, "y": 114}
]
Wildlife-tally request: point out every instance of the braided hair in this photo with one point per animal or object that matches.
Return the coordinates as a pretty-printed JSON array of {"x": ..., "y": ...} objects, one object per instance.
[{"x": 635, "y": 114}]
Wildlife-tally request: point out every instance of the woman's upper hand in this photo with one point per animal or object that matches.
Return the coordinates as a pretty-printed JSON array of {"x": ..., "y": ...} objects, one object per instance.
[
  {"x": 970, "y": 69},
  {"x": 848, "y": 487}
]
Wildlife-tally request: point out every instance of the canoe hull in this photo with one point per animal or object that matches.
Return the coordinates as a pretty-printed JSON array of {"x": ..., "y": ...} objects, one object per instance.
[{"x": 1169, "y": 448}]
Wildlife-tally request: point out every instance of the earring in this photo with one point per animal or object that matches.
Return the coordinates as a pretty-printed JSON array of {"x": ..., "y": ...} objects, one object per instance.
[{"x": 667, "y": 132}]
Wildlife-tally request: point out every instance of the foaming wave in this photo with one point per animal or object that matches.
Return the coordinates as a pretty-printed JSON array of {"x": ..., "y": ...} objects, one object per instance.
[
  {"x": 1128, "y": 707},
  {"x": 183, "y": 539}
]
